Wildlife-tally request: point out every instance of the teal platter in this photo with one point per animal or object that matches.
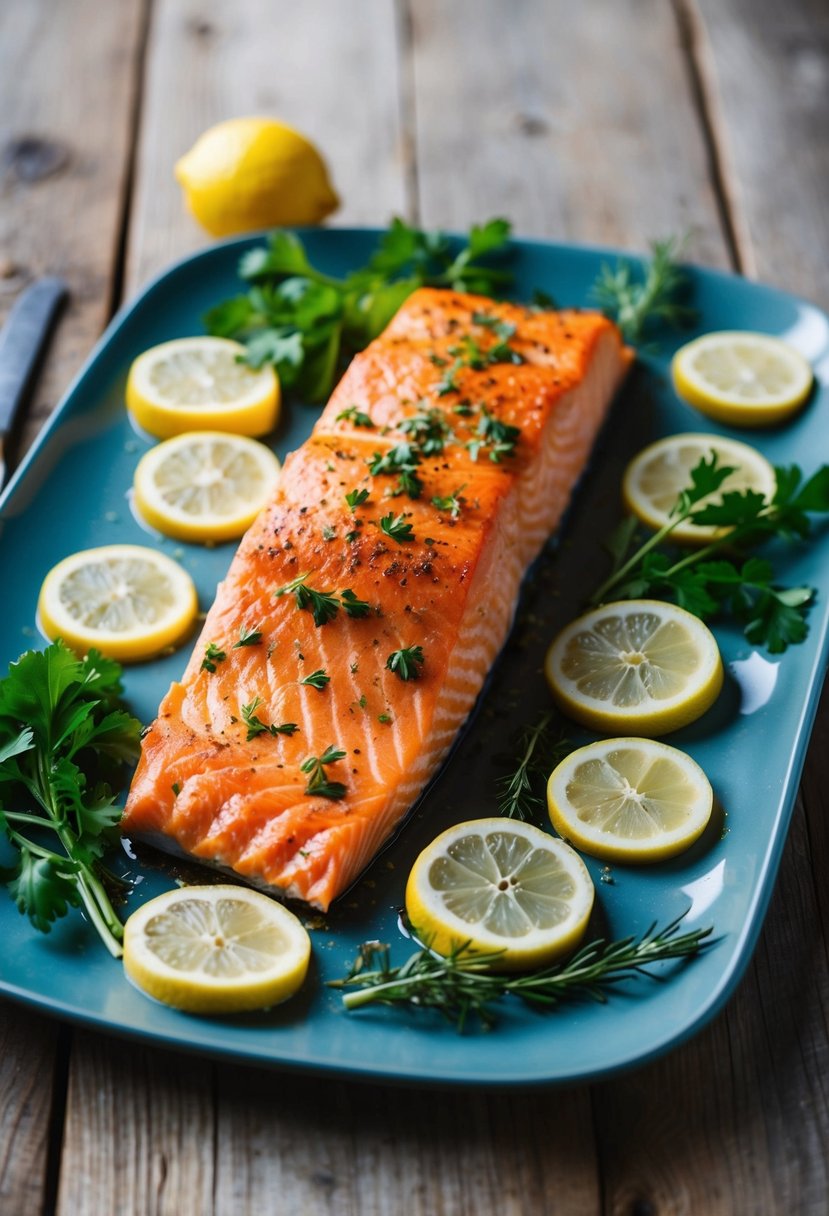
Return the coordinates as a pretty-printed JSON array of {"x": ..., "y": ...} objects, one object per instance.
[{"x": 72, "y": 493}]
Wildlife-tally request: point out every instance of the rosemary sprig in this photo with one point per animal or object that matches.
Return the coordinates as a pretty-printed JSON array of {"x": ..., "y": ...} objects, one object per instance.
[
  {"x": 537, "y": 754},
  {"x": 463, "y": 984},
  {"x": 632, "y": 300}
]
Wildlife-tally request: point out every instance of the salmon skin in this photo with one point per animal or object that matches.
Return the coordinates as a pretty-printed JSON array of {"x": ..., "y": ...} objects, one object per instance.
[{"x": 376, "y": 591}]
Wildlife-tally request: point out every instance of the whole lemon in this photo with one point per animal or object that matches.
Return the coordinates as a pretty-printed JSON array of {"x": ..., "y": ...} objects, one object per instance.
[{"x": 250, "y": 173}]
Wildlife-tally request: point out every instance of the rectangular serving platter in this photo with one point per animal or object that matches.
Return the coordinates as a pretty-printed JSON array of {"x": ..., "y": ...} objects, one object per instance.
[{"x": 73, "y": 492}]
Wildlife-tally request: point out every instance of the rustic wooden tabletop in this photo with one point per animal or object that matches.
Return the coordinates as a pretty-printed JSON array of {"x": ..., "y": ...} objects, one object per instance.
[{"x": 611, "y": 121}]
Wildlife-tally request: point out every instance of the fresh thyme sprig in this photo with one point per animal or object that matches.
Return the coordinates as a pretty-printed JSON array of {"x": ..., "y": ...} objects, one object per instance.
[
  {"x": 462, "y": 984},
  {"x": 318, "y": 783},
  {"x": 537, "y": 754},
  {"x": 772, "y": 615},
  {"x": 634, "y": 299}
]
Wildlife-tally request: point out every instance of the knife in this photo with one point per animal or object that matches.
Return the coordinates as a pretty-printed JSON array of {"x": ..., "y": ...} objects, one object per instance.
[{"x": 22, "y": 342}]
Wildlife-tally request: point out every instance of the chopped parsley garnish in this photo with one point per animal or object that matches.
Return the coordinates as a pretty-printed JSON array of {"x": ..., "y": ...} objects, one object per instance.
[
  {"x": 328, "y": 533},
  {"x": 396, "y": 527},
  {"x": 317, "y": 679},
  {"x": 176, "y": 788},
  {"x": 384, "y": 718},
  {"x": 212, "y": 656},
  {"x": 428, "y": 429},
  {"x": 498, "y": 438},
  {"x": 406, "y": 663},
  {"x": 502, "y": 329},
  {"x": 453, "y": 503},
  {"x": 257, "y": 727},
  {"x": 356, "y": 498},
  {"x": 403, "y": 460},
  {"x": 355, "y": 415},
  {"x": 252, "y": 638},
  {"x": 448, "y": 382},
  {"x": 318, "y": 782},
  {"x": 324, "y": 605}
]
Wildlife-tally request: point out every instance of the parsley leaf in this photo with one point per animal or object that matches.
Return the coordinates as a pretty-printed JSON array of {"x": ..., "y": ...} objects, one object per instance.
[{"x": 406, "y": 663}]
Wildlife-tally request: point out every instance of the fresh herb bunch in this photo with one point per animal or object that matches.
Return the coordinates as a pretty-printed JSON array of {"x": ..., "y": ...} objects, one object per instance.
[
  {"x": 719, "y": 577},
  {"x": 538, "y": 751},
  {"x": 463, "y": 984},
  {"x": 305, "y": 322},
  {"x": 634, "y": 298},
  {"x": 65, "y": 743}
]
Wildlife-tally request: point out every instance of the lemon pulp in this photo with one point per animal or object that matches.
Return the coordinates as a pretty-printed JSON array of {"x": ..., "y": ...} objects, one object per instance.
[
  {"x": 643, "y": 665},
  {"x": 634, "y": 800},
  {"x": 500, "y": 886}
]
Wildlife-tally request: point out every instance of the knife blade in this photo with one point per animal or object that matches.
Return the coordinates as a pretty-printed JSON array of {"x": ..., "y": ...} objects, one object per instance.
[{"x": 23, "y": 340}]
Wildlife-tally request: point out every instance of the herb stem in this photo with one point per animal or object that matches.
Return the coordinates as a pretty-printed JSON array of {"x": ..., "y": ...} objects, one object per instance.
[{"x": 617, "y": 576}]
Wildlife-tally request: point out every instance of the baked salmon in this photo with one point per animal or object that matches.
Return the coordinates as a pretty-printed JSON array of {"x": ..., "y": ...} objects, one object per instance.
[{"x": 367, "y": 603}]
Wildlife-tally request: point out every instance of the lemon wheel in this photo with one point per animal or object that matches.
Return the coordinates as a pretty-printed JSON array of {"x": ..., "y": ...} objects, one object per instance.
[
  {"x": 126, "y": 601},
  {"x": 206, "y": 486},
  {"x": 216, "y": 949},
  {"x": 742, "y": 378},
  {"x": 640, "y": 666},
  {"x": 629, "y": 800},
  {"x": 657, "y": 475},
  {"x": 198, "y": 384},
  {"x": 500, "y": 885}
]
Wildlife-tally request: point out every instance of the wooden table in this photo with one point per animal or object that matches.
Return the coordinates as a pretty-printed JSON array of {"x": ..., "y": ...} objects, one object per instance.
[{"x": 611, "y": 121}]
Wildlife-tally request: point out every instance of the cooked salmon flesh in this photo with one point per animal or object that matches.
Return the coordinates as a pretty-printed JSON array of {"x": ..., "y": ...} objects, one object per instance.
[{"x": 373, "y": 594}]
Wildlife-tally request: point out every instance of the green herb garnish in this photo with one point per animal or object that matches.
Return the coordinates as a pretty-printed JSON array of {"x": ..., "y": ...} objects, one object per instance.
[
  {"x": 257, "y": 727},
  {"x": 324, "y": 605},
  {"x": 250, "y": 638},
  {"x": 453, "y": 503},
  {"x": 428, "y": 429},
  {"x": 521, "y": 791},
  {"x": 772, "y": 615},
  {"x": 318, "y": 782},
  {"x": 406, "y": 663},
  {"x": 356, "y": 498},
  {"x": 65, "y": 740},
  {"x": 302, "y": 320},
  {"x": 396, "y": 527},
  {"x": 463, "y": 984},
  {"x": 354, "y": 607},
  {"x": 317, "y": 679},
  {"x": 497, "y": 438},
  {"x": 355, "y": 415},
  {"x": 212, "y": 656},
  {"x": 634, "y": 298}
]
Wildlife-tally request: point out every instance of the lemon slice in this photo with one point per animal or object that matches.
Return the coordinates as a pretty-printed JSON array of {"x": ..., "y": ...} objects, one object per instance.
[
  {"x": 742, "y": 378},
  {"x": 220, "y": 949},
  {"x": 127, "y": 601},
  {"x": 500, "y": 885},
  {"x": 656, "y": 476},
  {"x": 641, "y": 665},
  {"x": 198, "y": 384},
  {"x": 206, "y": 486},
  {"x": 632, "y": 800}
]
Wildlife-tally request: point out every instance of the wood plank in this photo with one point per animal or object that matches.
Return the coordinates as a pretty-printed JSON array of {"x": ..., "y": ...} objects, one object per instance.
[
  {"x": 27, "y": 1064},
  {"x": 330, "y": 71},
  {"x": 340, "y": 1148},
  {"x": 66, "y": 101},
  {"x": 557, "y": 118},
  {"x": 767, "y": 65},
  {"x": 138, "y": 1136}
]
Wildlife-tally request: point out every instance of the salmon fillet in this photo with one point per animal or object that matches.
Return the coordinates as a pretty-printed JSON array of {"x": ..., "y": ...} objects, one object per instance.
[{"x": 464, "y": 427}]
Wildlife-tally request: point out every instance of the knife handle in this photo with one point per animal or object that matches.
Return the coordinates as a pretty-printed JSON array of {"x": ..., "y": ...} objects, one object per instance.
[{"x": 22, "y": 341}]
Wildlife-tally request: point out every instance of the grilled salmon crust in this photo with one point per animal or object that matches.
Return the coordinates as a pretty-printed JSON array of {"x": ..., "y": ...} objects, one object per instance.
[{"x": 472, "y": 421}]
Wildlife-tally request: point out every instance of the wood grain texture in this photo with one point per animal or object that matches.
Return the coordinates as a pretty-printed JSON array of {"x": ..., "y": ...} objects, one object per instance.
[
  {"x": 575, "y": 121},
  {"x": 342, "y": 1149},
  {"x": 138, "y": 1134},
  {"x": 768, "y": 70},
  {"x": 27, "y": 1061},
  {"x": 329, "y": 70},
  {"x": 66, "y": 102}
]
